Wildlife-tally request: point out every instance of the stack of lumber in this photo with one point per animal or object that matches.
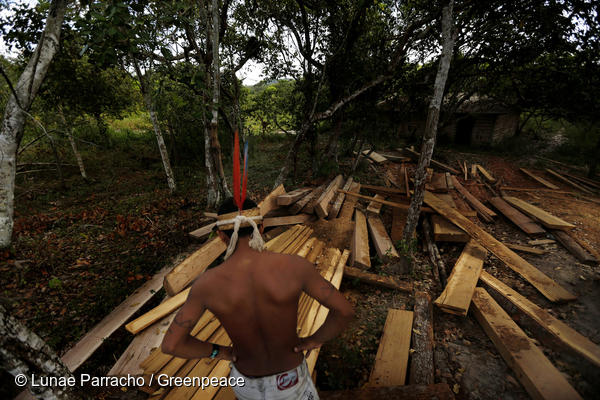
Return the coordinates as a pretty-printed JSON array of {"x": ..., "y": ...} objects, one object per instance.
[{"x": 311, "y": 315}]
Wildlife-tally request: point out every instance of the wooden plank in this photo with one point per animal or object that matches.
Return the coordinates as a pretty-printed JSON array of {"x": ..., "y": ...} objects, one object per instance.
[
  {"x": 287, "y": 220},
  {"x": 457, "y": 294},
  {"x": 525, "y": 249},
  {"x": 378, "y": 280},
  {"x": 348, "y": 206},
  {"x": 398, "y": 224},
  {"x": 86, "y": 346},
  {"x": 482, "y": 210},
  {"x": 391, "y": 361},
  {"x": 474, "y": 171},
  {"x": 447, "y": 197},
  {"x": 360, "y": 242},
  {"x": 446, "y": 231},
  {"x": 538, "y": 279},
  {"x": 438, "y": 391},
  {"x": 449, "y": 182},
  {"x": 185, "y": 273},
  {"x": 574, "y": 248},
  {"x": 461, "y": 205},
  {"x": 438, "y": 182},
  {"x": 292, "y": 197},
  {"x": 547, "y": 219},
  {"x": 323, "y": 203},
  {"x": 375, "y": 206},
  {"x": 316, "y": 251},
  {"x": 540, "y": 242},
  {"x": 537, "y": 374},
  {"x": 422, "y": 365},
  {"x": 300, "y": 204},
  {"x": 307, "y": 247},
  {"x": 270, "y": 202},
  {"x": 488, "y": 177},
  {"x": 583, "y": 180},
  {"x": 558, "y": 329},
  {"x": 378, "y": 158},
  {"x": 381, "y": 240},
  {"x": 158, "y": 312},
  {"x": 536, "y": 190},
  {"x": 339, "y": 200},
  {"x": 383, "y": 189},
  {"x": 525, "y": 223},
  {"x": 309, "y": 208},
  {"x": 568, "y": 181},
  {"x": 538, "y": 179},
  {"x": 387, "y": 203},
  {"x": 202, "y": 232},
  {"x": 433, "y": 162}
]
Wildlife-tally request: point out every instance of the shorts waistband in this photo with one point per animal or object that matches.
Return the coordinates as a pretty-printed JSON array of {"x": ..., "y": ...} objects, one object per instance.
[{"x": 273, "y": 380}]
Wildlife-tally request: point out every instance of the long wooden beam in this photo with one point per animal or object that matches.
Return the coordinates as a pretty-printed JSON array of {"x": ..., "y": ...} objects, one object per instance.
[
  {"x": 537, "y": 278},
  {"x": 547, "y": 219},
  {"x": 525, "y": 223},
  {"x": 434, "y": 162},
  {"x": 482, "y": 210},
  {"x": 387, "y": 203},
  {"x": 378, "y": 280},
  {"x": 568, "y": 181},
  {"x": 539, "y": 179}
]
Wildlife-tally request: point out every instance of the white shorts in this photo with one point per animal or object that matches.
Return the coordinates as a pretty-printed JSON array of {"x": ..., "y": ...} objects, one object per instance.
[{"x": 295, "y": 384}]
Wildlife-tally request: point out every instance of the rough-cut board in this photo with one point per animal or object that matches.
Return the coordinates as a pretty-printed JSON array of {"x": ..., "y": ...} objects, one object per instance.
[
  {"x": 558, "y": 329},
  {"x": 387, "y": 203},
  {"x": 287, "y": 220},
  {"x": 309, "y": 208},
  {"x": 375, "y": 206},
  {"x": 378, "y": 280},
  {"x": 538, "y": 179},
  {"x": 474, "y": 171},
  {"x": 391, "y": 361},
  {"x": 457, "y": 294},
  {"x": 525, "y": 223},
  {"x": 482, "y": 210},
  {"x": 537, "y": 374},
  {"x": 438, "y": 182},
  {"x": 449, "y": 182},
  {"x": 525, "y": 249},
  {"x": 398, "y": 223},
  {"x": 270, "y": 202},
  {"x": 540, "y": 242},
  {"x": 435, "y": 163},
  {"x": 158, "y": 312},
  {"x": 422, "y": 365},
  {"x": 339, "y": 200},
  {"x": 568, "y": 181},
  {"x": 547, "y": 219},
  {"x": 488, "y": 177},
  {"x": 446, "y": 231},
  {"x": 201, "y": 232},
  {"x": 574, "y": 248},
  {"x": 538, "y": 279},
  {"x": 94, "y": 338},
  {"x": 360, "y": 242},
  {"x": 378, "y": 158},
  {"x": 292, "y": 197},
  {"x": 381, "y": 240},
  {"x": 582, "y": 180},
  {"x": 183, "y": 274},
  {"x": 437, "y": 391},
  {"x": 322, "y": 205},
  {"x": 349, "y": 203},
  {"x": 300, "y": 204}
]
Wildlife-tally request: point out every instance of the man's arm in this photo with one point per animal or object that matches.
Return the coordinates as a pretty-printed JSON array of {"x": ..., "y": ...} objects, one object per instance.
[
  {"x": 340, "y": 309},
  {"x": 179, "y": 342}
]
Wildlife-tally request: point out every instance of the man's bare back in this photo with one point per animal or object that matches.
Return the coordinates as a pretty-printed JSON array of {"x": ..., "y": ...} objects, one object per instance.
[{"x": 255, "y": 296}]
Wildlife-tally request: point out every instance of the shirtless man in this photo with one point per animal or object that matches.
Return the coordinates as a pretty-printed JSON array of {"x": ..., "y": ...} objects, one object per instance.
[{"x": 255, "y": 296}]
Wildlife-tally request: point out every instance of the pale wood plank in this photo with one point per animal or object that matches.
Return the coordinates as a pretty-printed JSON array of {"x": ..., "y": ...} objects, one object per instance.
[
  {"x": 538, "y": 279},
  {"x": 446, "y": 231},
  {"x": 568, "y": 181},
  {"x": 286, "y": 220},
  {"x": 539, "y": 179},
  {"x": 488, "y": 177},
  {"x": 525, "y": 223},
  {"x": 348, "y": 207},
  {"x": 339, "y": 200},
  {"x": 438, "y": 182},
  {"x": 270, "y": 202},
  {"x": 381, "y": 240},
  {"x": 292, "y": 197},
  {"x": 158, "y": 312},
  {"x": 185, "y": 273},
  {"x": 482, "y": 210},
  {"x": 457, "y": 294},
  {"x": 378, "y": 280},
  {"x": 525, "y": 249},
  {"x": 558, "y": 329},
  {"x": 86, "y": 346},
  {"x": 204, "y": 231},
  {"x": 574, "y": 248},
  {"x": 537, "y": 374},
  {"x": 391, "y": 361},
  {"x": 378, "y": 158},
  {"x": 375, "y": 206},
  {"x": 544, "y": 217},
  {"x": 387, "y": 203},
  {"x": 323, "y": 203},
  {"x": 360, "y": 242}
]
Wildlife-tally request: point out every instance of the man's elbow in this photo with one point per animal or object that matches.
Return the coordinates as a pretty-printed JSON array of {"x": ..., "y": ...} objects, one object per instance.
[{"x": 347, "y": 313}]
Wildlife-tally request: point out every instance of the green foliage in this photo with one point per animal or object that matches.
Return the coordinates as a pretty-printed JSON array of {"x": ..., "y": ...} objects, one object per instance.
[
  {"x": 270, "y": 107},
  {"x": 55, "y": 283}
]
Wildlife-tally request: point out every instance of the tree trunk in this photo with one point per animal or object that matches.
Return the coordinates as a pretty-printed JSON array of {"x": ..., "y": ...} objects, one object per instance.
[
  {"x": 448, "y": 39},
  {"x": 69, "y": 134},
  {"x": 594, "y": 160},
  {"x": 162, "y": 148},
  {"x": 24, "y": 353},
  {"x": 13, "y": 122}
]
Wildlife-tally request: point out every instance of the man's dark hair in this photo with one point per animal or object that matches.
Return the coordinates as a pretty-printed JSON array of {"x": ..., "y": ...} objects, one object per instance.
[{"x": 228, "y": 205}]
